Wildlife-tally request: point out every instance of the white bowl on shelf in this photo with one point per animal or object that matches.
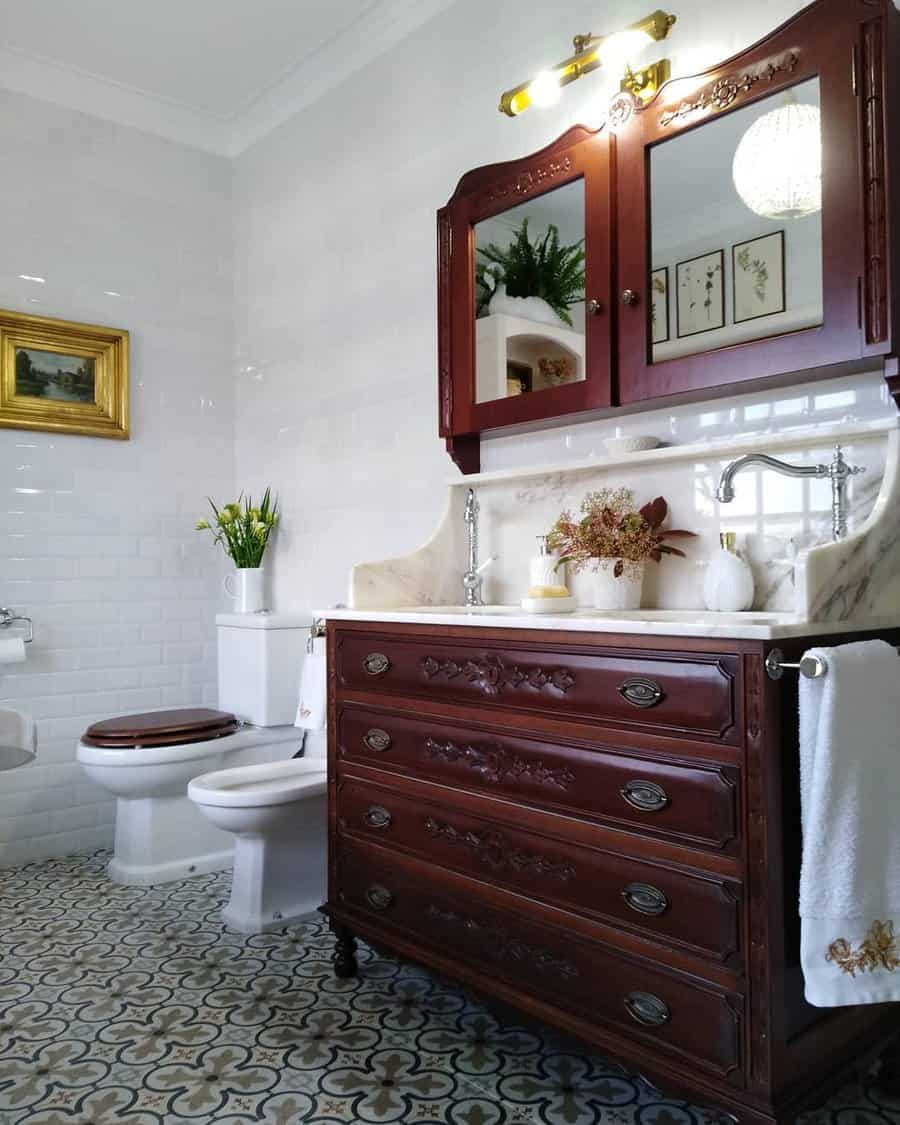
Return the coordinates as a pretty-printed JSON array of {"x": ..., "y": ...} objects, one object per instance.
[{"x": 637, "y": 443}]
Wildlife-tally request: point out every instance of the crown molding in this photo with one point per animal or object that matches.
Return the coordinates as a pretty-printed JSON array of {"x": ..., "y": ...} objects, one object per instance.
[
  {"x": 381, "y": 27},
  {"x": 51, "y": 81}
]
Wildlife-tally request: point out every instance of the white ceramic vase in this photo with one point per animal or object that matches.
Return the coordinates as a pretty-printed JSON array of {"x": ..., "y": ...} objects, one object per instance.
[
  {"x": 247, "y": 587},
  {"x": 728, "y": 583},
  {"x": 623, "y": 592}
]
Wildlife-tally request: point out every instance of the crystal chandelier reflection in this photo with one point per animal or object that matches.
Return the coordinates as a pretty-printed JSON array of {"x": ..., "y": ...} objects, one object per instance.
[{"x": 778, "y": 164}]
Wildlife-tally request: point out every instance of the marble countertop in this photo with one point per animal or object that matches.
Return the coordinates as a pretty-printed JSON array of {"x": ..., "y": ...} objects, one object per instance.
[{"x": 653, "y": 622}]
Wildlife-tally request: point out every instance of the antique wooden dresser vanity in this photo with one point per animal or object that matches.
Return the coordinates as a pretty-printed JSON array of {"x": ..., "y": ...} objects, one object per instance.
[
  {"x": 601, "y": 830},
  {"x": 604, "y": 829}
]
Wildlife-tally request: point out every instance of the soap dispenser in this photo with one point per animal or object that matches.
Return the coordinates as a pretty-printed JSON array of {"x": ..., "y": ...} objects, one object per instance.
[
  {"x": 547, "y": 590},
  {"x": 728, "y": 584}
]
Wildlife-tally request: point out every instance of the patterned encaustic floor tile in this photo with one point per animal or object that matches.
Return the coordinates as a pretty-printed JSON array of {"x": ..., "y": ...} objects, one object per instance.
[{"x": 138, "y": 1006}]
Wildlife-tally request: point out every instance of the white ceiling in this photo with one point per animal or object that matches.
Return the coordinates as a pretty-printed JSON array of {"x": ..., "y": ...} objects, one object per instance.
[{"x": 217, "y": 74}]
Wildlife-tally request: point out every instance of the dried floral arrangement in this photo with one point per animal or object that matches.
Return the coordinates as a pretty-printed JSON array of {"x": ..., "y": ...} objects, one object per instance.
[{"x": 612, "y": 528}]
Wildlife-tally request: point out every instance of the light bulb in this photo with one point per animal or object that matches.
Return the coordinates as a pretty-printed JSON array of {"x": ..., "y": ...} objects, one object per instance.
[
  {"x": 544, "y": 89},
  {"x": 777, "y": 167},
  {"x": 617, "y": 50}
]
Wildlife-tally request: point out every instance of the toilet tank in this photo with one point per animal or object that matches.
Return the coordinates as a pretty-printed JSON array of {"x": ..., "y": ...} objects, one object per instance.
[{"x": 260, "y": 659}]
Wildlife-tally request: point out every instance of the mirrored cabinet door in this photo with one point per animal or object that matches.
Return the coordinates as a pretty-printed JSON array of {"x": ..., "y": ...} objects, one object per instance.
[
  {"x": 736, "y": 228},
  {"x": 529, "y": 269},
  {"x": 525, "y": 289},
  {"x": 747, "y": 187}
]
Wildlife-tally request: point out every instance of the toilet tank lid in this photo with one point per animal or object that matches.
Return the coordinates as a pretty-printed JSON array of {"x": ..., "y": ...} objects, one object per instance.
[{"x": 296, "y": 619}]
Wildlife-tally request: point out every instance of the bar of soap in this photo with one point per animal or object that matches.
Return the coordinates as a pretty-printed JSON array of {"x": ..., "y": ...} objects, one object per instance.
[{"x": 547, "y": 592}]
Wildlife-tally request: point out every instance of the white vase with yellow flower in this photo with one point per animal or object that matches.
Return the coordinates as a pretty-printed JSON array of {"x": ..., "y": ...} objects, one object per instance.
[{"x": 243, "y": 531}]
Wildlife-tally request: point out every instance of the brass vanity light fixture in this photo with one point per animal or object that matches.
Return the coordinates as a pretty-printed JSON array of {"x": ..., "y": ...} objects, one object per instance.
[{"x": 591, "y": 52}]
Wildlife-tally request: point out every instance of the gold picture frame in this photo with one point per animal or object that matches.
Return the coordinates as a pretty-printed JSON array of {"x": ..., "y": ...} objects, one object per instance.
[{"x": 62, "y": 376}]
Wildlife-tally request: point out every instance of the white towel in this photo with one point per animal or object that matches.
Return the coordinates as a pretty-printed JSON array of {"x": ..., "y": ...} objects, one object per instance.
[
  {"x": 850, "y": 794},
  {"x": 311, "y": 709}
]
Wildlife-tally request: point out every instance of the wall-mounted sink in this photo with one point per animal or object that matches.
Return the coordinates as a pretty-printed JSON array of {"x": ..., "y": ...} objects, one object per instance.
[{"x": 13, "y": 756}]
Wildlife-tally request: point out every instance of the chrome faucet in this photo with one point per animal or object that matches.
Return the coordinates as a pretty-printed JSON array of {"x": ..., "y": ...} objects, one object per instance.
[
  {"x": 838, "y": 471},
  {"x": 472, "y": 580}
]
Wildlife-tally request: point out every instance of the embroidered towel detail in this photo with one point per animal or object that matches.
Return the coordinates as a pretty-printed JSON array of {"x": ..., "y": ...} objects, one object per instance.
[
  {"x": 311, "y": 709},
  {"x": 878, "y": 950},
  {"x": 850, "y": 791}
]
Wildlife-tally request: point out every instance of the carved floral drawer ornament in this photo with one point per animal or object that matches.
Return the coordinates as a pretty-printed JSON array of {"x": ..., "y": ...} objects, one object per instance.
[{"x": 492, "y": 675}]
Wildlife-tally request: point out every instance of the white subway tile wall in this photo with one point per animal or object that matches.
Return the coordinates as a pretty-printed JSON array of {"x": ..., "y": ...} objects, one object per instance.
[
  {"x": 336, "y": 284},
  {"x": 307, "y": 362},
  {"x": 96, "y": 537}
]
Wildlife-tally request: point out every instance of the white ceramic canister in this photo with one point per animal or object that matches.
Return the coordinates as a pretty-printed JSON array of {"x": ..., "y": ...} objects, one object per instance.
[
  {"x": 617, "y": 592},
  {"x": 728, "y": 585}
]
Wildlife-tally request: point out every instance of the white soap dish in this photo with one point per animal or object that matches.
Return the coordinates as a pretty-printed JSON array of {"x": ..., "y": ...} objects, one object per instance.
[
  {"x": 638, "y": 443},
  {"x": 549, "y": 605}
]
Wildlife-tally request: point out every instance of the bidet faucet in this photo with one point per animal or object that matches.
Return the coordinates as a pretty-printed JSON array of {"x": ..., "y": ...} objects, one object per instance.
[
  {"x": 838, "y": 471},
  {"x": 472, "y": 580}
]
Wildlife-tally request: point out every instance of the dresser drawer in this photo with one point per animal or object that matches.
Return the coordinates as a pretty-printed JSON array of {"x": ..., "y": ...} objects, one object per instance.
[
  {"x": 688, "y": 910},
  {"x": 694, "y": 803},
  {"x": 687, "y": 695},
  {"x": 675, "y": 1013}
]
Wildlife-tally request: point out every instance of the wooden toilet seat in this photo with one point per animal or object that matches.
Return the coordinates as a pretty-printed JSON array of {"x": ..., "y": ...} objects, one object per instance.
[{"x": 161, "y": 728}]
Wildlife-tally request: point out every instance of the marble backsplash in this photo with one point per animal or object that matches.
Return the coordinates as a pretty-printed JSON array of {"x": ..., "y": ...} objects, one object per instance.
[
  {"x": 775, "y": 518},
  {"x": 783, "y": 527}
]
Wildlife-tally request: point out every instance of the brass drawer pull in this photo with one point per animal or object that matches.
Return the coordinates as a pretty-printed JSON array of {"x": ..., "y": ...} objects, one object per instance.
[
  {"x": 646, "y": 796},
  {"x": 378, "y": 817},
  {"x": 376, "y": 664},
  {"x": 377, "y": 740},
  {"x": 641, "y": 692},
  {"x": 645, "y": 899},
  {"x": 647, "y": 1009},
  {"x": 378, "y": 897}
]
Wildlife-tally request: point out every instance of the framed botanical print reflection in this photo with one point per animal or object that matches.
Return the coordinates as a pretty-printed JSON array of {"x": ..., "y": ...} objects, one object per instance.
[
  {"x": 64, "y": 377},
  {"x": 700, "y": 293},
  {"x": 758, "y": 277},
  {"x": 659, "y": 305}
]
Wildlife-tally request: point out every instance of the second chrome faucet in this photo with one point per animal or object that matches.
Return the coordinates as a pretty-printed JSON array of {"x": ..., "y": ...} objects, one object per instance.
[{"x": 472, "y": 579}]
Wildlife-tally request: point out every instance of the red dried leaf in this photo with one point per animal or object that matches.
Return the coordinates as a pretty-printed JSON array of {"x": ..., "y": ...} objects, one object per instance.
[{"x": 655, "y": 512}]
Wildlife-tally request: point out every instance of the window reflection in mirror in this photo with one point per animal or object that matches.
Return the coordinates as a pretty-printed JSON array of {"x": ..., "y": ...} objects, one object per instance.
[
  {"x": 529, "y": 296},
  {"x": 736, "y": 227}
]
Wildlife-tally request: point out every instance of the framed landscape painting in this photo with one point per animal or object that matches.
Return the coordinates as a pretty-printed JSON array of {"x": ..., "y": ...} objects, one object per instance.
[{"x": 64, "y": 377}]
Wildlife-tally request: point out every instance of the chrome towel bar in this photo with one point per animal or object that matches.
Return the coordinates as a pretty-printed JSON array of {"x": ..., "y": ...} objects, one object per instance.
[{"x": 812, "y": 667}]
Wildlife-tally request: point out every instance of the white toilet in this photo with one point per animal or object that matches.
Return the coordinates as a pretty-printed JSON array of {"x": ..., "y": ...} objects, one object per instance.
[
  {"x": 147, "y": 760},
  {"x": 277, "y": 812}
]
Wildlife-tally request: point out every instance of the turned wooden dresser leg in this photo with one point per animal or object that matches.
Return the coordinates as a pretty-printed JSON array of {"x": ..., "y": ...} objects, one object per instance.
[{"x": 345, "y": 964}]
